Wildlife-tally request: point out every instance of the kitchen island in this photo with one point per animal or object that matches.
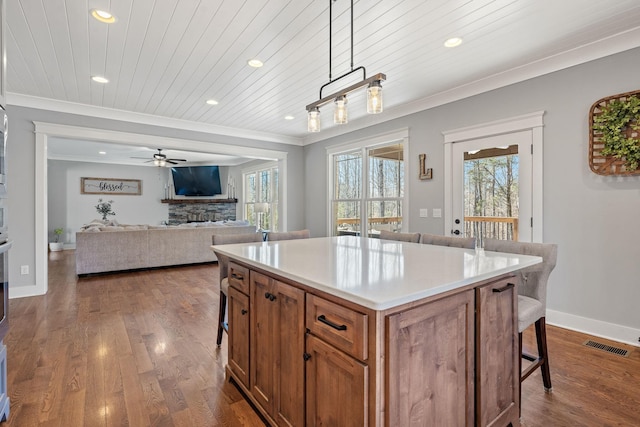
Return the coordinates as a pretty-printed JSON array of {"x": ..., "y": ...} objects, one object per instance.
[{"x": 351, "y": 331}]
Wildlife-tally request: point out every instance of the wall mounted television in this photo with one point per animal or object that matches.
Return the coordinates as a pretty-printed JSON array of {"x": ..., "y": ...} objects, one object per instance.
[{"x": 196, "y": 180}]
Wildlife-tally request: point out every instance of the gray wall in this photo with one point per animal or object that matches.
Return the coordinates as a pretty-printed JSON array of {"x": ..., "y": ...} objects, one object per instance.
[
  {"x": 21, "y": 173},
  {"x": 63, "y": 180},
  {"x": 593, "y": 219}
]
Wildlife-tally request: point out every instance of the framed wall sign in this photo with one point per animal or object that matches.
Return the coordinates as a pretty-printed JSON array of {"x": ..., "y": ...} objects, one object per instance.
[
  {"x": 425, "y": 173},
  {"x": 110, "y": 186}
]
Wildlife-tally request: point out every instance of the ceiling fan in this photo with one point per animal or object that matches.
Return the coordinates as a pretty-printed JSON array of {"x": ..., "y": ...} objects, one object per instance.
[{"x": 160, "y": 159}]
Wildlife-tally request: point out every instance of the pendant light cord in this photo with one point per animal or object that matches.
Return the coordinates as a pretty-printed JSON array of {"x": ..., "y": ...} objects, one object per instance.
[
  {"x": 351, "y": 36},
  {"x": 330, "y": 32}
]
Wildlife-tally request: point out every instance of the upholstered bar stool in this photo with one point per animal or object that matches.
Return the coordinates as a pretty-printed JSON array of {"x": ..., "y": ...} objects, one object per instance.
[
  {"x": 455, "y": 242},
  {"x": 402, "y": 237},
  {"x": 223, "y": 266},
  {"x": 288, "y": 235},
  {"x": 532, "y": 299}
]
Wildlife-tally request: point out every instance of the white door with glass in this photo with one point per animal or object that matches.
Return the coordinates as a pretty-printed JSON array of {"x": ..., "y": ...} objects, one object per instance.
[{"x": 491, "y": 186}]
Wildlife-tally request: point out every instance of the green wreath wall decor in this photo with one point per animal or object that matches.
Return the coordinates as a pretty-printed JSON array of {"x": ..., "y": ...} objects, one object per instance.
[{"x": 613, "y": 122}]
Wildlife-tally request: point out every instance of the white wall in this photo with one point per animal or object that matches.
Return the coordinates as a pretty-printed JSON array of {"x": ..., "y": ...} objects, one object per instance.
[
  {"x": 79, "y": 209},
  {"x": 593, "y": 219}
]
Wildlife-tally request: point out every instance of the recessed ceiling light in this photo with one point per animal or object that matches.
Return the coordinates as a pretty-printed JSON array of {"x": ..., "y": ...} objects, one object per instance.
[
  {"x": 102, "y": 152},
  {"x": 100, "y": 79},
  {"x": 212, "y": 102},
  {"x": 103, "y": 16},
  {"x": 255, "y": 63},
  {"x": 453, "y": 42},
  {"x": 289, "y": 117}
]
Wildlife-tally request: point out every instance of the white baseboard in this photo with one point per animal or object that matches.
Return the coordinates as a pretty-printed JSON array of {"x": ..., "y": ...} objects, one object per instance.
[
  {"x": 611, "y": 331},
  {"x": 24, "y": 291}
]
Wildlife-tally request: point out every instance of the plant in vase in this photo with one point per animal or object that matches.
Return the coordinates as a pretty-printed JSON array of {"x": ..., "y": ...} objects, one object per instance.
[
  {"x": 56, "y": 245},
  {"x": 104, "y": 209}
]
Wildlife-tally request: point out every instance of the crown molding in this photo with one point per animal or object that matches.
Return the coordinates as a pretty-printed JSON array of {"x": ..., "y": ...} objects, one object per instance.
[
  {"x": 616, "y": 43},
  {"x": 29, "y": 101}
]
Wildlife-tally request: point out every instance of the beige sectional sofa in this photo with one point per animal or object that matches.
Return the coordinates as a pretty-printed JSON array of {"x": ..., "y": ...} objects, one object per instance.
[{"x": 113, "y": 248}]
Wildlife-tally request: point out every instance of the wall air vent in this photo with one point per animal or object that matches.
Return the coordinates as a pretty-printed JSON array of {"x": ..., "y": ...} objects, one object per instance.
[{"x": 607, "y": 348}]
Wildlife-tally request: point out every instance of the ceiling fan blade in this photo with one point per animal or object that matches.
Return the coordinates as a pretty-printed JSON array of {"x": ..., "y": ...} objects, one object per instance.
[
  {"x": 171, "y": 161},
  {"x": 178, "y": 160}
]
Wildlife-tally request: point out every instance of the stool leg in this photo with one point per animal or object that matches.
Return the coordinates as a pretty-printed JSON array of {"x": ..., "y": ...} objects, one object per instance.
[
  {"x": 520, "y": 372},
  {"x": 541, "y": 337},
  {"x": 222, "y": 310}
]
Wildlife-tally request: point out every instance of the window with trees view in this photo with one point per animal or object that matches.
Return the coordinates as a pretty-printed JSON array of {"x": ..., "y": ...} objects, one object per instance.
[
  {"x": 368, "y": 183},
  {"x": 491, "y": 193},
  {"x": 261, "y": 198}
]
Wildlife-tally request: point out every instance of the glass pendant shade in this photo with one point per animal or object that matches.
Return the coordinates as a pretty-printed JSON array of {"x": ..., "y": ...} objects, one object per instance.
[
  {"x": 340, "y": 113},
  {"x": 313, "y": 120},
  {"x": 374, "y": 98},
  {"x": 159, "y": 162}
]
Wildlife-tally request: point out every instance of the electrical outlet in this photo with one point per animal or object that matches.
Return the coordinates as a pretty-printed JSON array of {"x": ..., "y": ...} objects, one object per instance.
[{"x": 24, "y": 269}]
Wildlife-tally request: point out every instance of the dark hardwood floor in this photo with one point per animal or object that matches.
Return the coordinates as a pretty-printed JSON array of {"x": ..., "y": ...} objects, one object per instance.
[{"x": 138, "y": 349}]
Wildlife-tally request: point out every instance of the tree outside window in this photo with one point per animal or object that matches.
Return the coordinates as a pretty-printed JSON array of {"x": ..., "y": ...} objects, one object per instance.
[{"x": 382, "y": 198}]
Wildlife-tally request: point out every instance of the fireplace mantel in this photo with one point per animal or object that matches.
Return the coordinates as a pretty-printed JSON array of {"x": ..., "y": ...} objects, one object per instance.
[{"x": 180, "y": 201}]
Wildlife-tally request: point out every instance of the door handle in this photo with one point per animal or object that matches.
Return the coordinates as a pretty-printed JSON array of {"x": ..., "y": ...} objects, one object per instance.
[{"x": 456, "y": 232}]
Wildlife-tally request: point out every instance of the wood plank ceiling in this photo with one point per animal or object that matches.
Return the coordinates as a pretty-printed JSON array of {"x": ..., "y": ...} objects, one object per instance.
[{"x": 166, "y": 58}]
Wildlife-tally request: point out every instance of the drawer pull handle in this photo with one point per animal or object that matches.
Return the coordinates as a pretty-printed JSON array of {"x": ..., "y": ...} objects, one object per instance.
[
  {"x": 504, "y": 288},
  {"x": 243, "y": 311},
  {"x": 269, "y": 296},
  {"x": 237, "y": 276},
  {"x": 324, "y": 320}
]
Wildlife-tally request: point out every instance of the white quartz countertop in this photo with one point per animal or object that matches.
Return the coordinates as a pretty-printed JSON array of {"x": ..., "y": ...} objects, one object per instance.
[{"x": 378, "y": 274}]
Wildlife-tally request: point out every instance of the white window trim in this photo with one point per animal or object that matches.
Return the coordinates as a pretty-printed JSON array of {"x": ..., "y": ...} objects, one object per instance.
[
  {"x": 370, "y": 142},
  {"x": 533, "y": 122}
]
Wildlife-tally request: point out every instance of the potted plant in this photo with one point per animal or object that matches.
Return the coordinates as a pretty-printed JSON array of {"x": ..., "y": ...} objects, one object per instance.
[
  {"x": 104, "y": 209},
  {"x": 56, "y": 245}
]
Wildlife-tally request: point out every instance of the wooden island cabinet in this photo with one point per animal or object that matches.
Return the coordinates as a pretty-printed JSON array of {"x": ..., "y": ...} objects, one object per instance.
[{"x": 350, "y": 331}]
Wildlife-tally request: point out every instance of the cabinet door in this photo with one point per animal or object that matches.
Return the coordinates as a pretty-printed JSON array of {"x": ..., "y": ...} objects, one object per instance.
[
  {"x": 498, "y": 379},
  {"x": 337, "y": 387},
  {"x": 263, "y": 339},
  {"x": 430, "y": 363},
  {"x": 289, "y": 396},
  {"x": 239, "y": 335}
]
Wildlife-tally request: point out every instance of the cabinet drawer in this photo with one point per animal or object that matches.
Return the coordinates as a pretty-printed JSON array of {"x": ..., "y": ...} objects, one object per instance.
[
  {"x": 344, "y": 328},
  {"x": 239, "y": 277}
]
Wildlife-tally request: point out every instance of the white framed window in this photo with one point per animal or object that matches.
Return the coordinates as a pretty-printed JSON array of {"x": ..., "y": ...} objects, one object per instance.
[
  {"x": 261, "y": 196},
  {"x": 367, "y": 180}
]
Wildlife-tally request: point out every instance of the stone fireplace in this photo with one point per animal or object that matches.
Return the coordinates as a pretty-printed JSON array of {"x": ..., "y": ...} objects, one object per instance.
[{"x": 201, "y": 210}]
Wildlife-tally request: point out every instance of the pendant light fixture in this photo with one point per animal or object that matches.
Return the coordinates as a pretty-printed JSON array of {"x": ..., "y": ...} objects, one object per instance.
[
  {"x": 313, "y": 122},
  {"x": 340, "y": 114}
]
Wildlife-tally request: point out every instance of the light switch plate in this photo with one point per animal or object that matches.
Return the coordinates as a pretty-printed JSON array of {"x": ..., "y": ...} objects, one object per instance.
[
  {"x": 424, "y": 213},
  {"x": 437, "y": 213}
]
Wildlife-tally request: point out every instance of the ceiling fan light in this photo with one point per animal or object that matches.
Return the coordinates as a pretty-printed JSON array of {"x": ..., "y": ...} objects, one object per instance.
[
  {"x": 313, "y": 120},
  {"x": 340, "y": 115},
  {"x": 374, "y": 98}
]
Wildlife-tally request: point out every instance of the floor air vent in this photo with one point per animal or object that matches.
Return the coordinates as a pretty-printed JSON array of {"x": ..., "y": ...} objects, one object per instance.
[{"x": 607, "y": 348}]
